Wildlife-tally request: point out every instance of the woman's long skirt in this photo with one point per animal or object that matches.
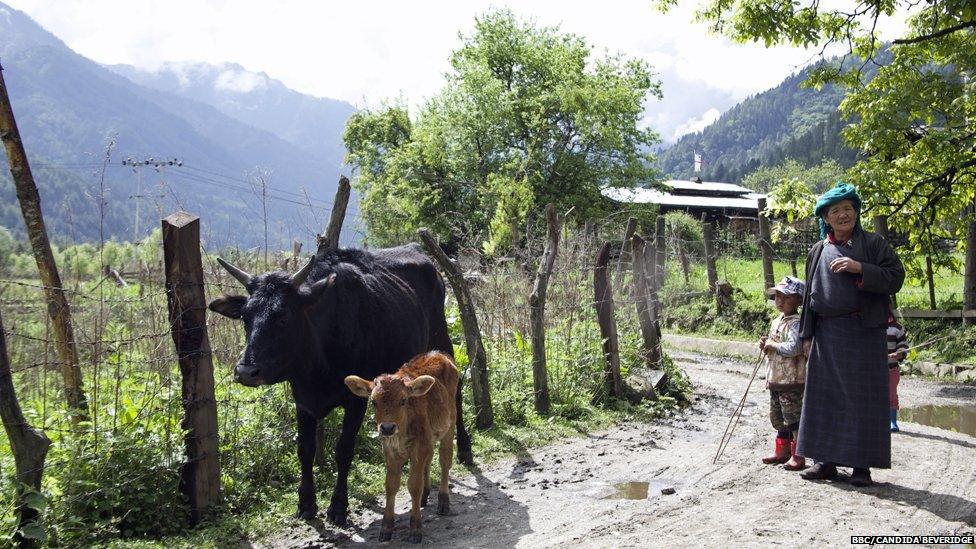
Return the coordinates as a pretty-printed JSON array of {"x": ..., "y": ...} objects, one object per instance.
[{"x": 845, "y": 404}]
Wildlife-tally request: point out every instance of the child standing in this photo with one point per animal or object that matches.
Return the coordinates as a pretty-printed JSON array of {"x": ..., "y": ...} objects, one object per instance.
[
  {"x": 786, "y": 372},
  {"x": 897, "y": 352}
]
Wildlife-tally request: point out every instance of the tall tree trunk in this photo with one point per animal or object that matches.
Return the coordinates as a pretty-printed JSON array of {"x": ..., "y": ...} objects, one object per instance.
[
  {"x": 969, "y": 277},
  {"x": 484, "y": 415},
  {"x": 28, "y": 445},
  {"x": 766, "y": 245},
  {"x": 57, "y": 302},
  {"x": 881, "y": 227},
  {"x": 537, "y": 312}
]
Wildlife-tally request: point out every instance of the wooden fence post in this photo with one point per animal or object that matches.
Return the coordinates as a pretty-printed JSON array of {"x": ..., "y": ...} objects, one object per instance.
[
  {"x": 660, "y": 263},
  {"x": 612, "y": 384},
  {"x": 484, "y": 416},
  {"x": 57, "y": 304},
  {"x": 765, "y": 245},
  {"x": 710, "y": 268},
  {"x": 28, "y": 445},
  {"x": 625, "y": 244},
  {"x": 329, "y": 241},
  {"x": 682, "y": 256},
  {"x": 200, "y": 475},
  {"x": 651, "y": 336},
  {"x": 537, "y": 312}
]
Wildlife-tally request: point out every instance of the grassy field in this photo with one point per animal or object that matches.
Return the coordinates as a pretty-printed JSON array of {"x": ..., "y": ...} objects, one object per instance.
[{"x": 687, "y": 311}]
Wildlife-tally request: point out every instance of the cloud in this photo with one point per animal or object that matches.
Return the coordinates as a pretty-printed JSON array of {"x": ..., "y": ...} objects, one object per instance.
[
  {"x": 697, "y": 124},
  {"x": 371, "y": 50},
  {"x": 239, "y": 81}
]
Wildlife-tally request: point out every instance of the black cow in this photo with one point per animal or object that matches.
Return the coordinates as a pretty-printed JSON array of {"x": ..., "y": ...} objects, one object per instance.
[{"x": 346, "y": 312}]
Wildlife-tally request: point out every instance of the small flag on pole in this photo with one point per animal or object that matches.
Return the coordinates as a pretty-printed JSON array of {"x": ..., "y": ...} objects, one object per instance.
[{"x": 698, "y": 163}]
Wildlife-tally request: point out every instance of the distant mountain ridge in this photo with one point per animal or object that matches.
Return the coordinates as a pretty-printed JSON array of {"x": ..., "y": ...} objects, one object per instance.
[
  {"x": 68, "y": 107},
  {"x": 312, "y": 123},
  {"x": 788, "y": 121}
]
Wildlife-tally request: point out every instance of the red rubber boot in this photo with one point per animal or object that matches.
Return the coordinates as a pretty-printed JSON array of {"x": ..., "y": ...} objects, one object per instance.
[
  {"x": 796, "y": 463},
  {"x": 782, "y": 453}
]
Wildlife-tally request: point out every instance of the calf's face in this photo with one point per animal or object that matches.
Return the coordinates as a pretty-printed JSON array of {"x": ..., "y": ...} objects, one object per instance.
[
  {"x": 391, "y": 396},
  {"x": 274, "y": 324}
]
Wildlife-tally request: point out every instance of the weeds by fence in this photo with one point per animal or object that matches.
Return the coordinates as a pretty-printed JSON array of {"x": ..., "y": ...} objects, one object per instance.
[{"x": 120, "y": 476}]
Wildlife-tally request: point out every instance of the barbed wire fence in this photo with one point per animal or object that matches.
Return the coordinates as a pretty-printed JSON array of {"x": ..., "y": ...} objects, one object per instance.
[{"x": 131, "y": 373}]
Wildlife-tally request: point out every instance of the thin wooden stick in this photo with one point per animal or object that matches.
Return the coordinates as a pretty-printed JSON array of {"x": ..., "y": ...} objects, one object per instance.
[{"x": 733, "y": 420}]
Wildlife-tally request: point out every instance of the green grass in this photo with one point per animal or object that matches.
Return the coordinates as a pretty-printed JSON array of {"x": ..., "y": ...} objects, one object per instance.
[{"x": 689, "y": 314}]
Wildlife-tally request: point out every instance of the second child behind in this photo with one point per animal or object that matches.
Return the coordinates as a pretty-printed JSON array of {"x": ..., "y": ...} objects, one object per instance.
[{"x": 786, "y": 372}]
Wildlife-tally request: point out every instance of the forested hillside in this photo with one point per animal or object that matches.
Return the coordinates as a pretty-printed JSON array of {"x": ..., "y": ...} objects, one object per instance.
[
  {"x": 68, "y": 108},
  {"x": 788, "y": 121}
]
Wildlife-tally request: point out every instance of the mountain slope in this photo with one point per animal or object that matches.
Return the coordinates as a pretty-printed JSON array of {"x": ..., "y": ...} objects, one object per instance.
[
  {"x": 787, "y": 121},
  {"x": 67, "y": 107},
  {"x": 312, "y": 123}
]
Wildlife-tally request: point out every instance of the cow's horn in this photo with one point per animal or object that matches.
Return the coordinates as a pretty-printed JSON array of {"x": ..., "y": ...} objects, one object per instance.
[
  {"x": 298, "y": 278},
  {"x": 240, "y": 275}
]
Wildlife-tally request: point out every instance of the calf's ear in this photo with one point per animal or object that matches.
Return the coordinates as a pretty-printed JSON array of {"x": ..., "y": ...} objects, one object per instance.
[
  {"x": 359, "y": 386},
  {"x": 228, "y": 305},
  {"x": 420, "y": 386}
]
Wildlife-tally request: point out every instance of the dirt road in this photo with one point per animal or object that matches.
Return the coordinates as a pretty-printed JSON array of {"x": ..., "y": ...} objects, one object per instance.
[{"x": 558, "y": 495}]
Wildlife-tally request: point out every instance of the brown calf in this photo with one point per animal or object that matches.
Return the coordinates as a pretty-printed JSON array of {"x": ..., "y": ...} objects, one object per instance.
[{"x": 414, "y": 409}]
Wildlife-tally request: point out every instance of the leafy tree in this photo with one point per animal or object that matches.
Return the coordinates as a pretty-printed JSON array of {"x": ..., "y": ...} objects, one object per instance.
[
  {"x": 816, "y": 179},
  {"x": 528, "y": 116},
  {"x": 913, "y": 120},
  {"x": 789, "y": 204}
]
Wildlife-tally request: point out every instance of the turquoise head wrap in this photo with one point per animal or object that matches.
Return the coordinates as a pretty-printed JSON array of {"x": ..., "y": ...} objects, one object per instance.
[{"x": 842, "y": 191}]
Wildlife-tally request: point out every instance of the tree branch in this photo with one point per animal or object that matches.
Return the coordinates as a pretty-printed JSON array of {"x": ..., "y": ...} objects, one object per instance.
[{"x": 937, "y": 34}]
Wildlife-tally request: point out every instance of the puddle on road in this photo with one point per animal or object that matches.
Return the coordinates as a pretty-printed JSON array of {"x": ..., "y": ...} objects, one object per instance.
[
  {"x": 638, "y": 489},
  {"x": 957, "y": 418}
]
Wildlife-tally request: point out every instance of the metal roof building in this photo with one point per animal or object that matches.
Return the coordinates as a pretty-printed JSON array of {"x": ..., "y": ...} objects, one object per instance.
[{"x": 718, "y": 201}]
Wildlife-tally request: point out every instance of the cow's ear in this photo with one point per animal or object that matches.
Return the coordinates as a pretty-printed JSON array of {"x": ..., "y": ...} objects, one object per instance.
[
  {"x": 318, "y": 289},
  {"x": 230, "y": 306},
  {"x": 420, "y": 386},
  {"x": 359, "y": 386}
]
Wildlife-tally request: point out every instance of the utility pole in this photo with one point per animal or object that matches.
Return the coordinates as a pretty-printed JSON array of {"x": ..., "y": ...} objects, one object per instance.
[{"x": 137, "y": 166}]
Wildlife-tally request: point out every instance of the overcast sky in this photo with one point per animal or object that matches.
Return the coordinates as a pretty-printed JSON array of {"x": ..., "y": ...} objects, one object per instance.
[{"x": 369, "y": 50}]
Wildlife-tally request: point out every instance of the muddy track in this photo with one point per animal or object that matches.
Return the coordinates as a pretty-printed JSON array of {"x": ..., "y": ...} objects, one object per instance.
[{"x": 562, "y": 494}]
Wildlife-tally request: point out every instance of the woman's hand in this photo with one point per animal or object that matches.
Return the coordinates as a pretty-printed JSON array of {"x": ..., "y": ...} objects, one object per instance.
[
  {"x": 770, "y": 347},
  {"x": 807, "y": 344},
  {"x": 762, "y": 342},
  {"x": 845, "y": 264}
]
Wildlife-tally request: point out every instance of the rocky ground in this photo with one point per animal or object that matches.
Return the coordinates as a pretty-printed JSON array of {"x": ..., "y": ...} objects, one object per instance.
[{"x": 576, "y": 492}]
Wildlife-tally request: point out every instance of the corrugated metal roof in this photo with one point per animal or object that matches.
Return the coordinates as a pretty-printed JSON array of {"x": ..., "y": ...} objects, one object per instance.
[
  {"x": 653, "y": 196},
  {"x": 706, "y": 186}
]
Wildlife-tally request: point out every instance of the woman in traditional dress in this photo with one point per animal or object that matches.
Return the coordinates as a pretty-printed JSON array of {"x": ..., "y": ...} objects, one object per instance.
[{"x": 850, "y": 275}]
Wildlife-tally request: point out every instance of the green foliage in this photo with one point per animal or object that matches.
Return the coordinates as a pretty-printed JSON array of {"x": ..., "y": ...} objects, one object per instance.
[
  {"x": 527, "y": 111},
  {"x": 789, "y": 204},
  {"x": 7, "y": 247},
  {"x": 817, "y": 178},
  {"x": 911, "y": 104},
  {"x": 689, "y": 230}
]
